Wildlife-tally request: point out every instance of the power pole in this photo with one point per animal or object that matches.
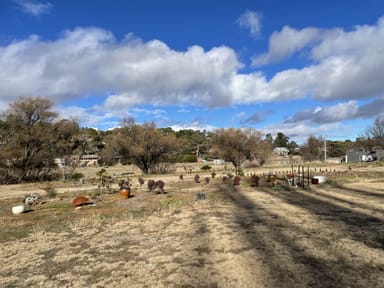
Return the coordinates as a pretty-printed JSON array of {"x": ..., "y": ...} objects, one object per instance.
[{"x": 325, "y": 149}]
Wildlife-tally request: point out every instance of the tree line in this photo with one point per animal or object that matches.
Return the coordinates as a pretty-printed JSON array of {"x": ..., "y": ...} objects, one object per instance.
[{"x": 32, "y": 136}]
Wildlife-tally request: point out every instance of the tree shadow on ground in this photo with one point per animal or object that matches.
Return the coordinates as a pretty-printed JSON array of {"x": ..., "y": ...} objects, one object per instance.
[
  {"x": 358, "y": 192},
  {"x": 289, "y": 263},
  {"x": 359, "y": 226}
]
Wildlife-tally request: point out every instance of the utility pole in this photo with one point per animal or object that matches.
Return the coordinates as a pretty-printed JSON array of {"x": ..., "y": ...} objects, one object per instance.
[{"x": 325, "y": 149}]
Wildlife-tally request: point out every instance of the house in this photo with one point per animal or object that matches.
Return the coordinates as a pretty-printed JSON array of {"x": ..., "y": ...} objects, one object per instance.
[
  {"x": 86, "y": 160},
  {"x": 281, "y": 151},
  {"x": 218, "y": 162},
  {"x": 361, "y": 155}
]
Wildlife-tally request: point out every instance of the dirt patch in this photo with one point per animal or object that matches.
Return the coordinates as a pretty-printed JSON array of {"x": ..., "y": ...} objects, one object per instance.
[{"x": 330, "y": 235}]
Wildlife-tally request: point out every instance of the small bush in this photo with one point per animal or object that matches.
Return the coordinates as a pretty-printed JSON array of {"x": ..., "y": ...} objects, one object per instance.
[
  {"x": 77, "y": 176},
  {"x": 206, "y": 168},
  {"x": 239, "y": 172}
]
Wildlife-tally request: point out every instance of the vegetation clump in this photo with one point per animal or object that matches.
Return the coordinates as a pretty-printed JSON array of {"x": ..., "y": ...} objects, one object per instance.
[
  {"x": 206, "y": 168},
  {"x": 36, "y": 145}
]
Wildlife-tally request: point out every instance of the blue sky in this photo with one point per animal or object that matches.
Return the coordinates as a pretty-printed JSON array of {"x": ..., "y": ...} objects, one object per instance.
[{"x": 298, "y": 67}]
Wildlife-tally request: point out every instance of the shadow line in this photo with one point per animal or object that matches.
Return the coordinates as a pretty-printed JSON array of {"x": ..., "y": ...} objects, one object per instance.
[{"x": 302, "y": 269}]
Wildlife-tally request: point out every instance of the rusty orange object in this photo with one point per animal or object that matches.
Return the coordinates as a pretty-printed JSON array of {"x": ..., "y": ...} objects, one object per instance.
[
  {"x": 124, "y": 193},
  {"x": 79, "y": 201}
]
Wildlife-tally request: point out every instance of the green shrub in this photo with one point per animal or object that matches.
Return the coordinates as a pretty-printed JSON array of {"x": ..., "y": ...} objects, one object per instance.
[
  {"x": 239, "y": 172},
  {"x": 77, "y": 176},
  {"x": 206, "y": 168}
]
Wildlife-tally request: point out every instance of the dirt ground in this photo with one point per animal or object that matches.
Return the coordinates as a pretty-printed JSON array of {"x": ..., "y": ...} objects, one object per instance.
[{"x": 327, "y": 235}]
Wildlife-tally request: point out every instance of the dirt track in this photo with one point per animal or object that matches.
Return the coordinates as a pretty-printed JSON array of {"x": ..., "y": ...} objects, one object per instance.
[{"x": 245, "y": 237}]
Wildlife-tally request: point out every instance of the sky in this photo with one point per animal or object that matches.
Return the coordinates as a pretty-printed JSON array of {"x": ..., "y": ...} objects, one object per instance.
[{"x": 303, "y": 68}]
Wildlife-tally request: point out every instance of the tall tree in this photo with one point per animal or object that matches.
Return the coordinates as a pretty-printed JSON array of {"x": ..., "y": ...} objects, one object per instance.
[
  {"x": 281, "y": 140},
  {"x": 143, "y": 145},
  {"x": 30, "y": 140},
  {"x": 236, "y": 145},
  {"x": 336, "y": 148},
  {"x": 194, "y": 143},
  {"x": 312, "y": 149},
  {"x": 376, "y": 132}
]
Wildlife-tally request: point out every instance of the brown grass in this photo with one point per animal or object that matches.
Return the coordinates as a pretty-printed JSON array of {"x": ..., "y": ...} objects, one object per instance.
[{"x": 328, "y": 235}]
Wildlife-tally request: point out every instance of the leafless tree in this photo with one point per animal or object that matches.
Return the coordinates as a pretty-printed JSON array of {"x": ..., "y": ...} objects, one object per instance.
[
  {"x": 143, "y": 145},
  {"x": 237, "y": 145},
  {"x": 30, "y": 140},
  {"x": 375, "y": 132},
  {"x": 312, "y": 150}
]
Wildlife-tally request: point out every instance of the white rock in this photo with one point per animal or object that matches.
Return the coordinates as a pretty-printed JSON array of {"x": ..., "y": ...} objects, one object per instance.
[{"x": 19, "y": 209}]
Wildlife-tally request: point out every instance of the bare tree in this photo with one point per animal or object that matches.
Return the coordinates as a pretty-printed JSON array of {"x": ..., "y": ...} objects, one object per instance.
[
  {"x": 29, "y": 140},
  {"x": 143, "y": 145},
  {"x": 376, "y": 132},
  {"x": 312, "y": 149},
  {"x": 237, "y": 145}
]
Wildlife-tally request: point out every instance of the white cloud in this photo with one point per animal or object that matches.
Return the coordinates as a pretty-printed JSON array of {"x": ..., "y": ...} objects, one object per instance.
[
  {"x": 330, "y": 114},
  {"x": 194, "y": 125},
  {"x": 94, "y": 116},
  {"x": 89, "y": 61},
  {"x": 359, "y": 42},
  {"x": 345, "y": 65},
  {"x": 251, "y": 20},
  {"x": 284, "y": 43},
  {"x": 34, "y": 8}
]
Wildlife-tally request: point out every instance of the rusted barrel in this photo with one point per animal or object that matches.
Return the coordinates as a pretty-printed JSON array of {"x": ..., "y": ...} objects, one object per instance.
[{"x": 124, "y": 193}]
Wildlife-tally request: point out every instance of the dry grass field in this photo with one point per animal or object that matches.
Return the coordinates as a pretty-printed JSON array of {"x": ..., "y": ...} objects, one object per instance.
[{"x": 325, "y": 235}]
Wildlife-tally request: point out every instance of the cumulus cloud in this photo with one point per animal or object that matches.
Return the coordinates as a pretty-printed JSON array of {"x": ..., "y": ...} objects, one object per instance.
[
  {"x": 251, "y": 20},
  {"x": 344, "y": 66},
  {"x": 90, "y": 61},
  {"x": 34, "y": 8},
  {"x": 372, "y": 108},
  {"x": 284, "y": 43},
  {"x": 193, "y": 125},
  {"x": 320, "y": 115},
  {"x": 336, "y": 113},
  {"x": 86, "y": 61},
  {"x": 321, "y": 43}
]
